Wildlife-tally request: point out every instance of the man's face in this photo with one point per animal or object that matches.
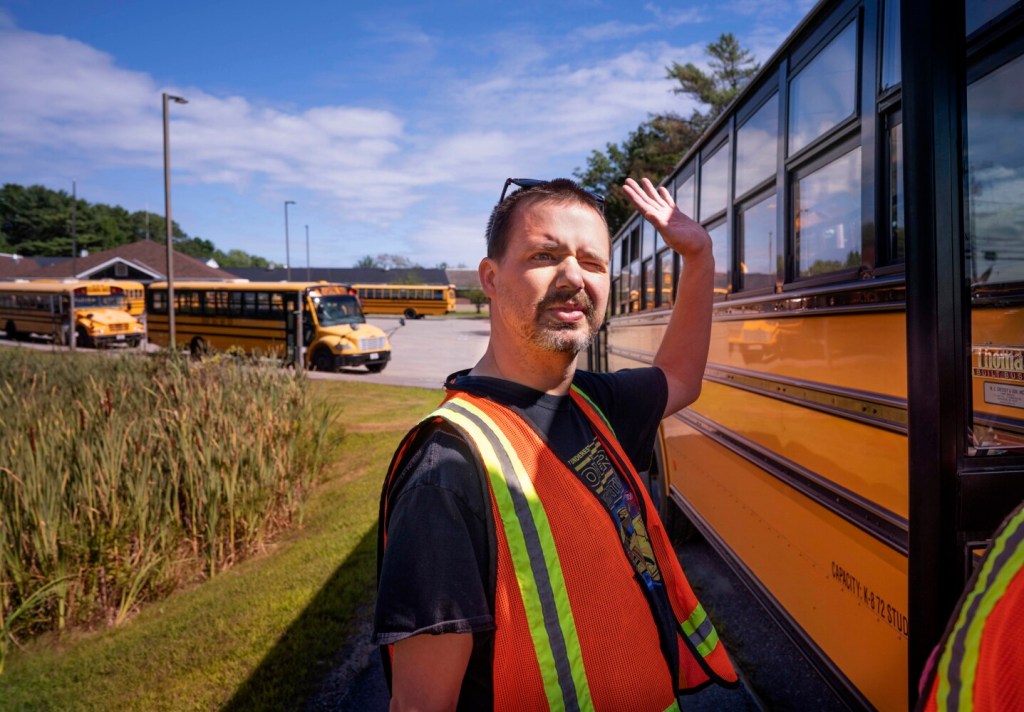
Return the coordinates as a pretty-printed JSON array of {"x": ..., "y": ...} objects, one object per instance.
[{"x": 551, "y": 287}]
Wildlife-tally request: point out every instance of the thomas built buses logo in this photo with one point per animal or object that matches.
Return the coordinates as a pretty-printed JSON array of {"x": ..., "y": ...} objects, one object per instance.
[{"x": 1005, "y": 362}]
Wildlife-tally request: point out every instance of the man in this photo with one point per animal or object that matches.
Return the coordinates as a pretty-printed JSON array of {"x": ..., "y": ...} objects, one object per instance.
[{"x": 521, "y": 564}]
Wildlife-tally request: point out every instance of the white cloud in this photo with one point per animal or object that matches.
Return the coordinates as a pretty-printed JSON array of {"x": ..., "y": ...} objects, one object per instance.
[{"x": 380, "y": 169}]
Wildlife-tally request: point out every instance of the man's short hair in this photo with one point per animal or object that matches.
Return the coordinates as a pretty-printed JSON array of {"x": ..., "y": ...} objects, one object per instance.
[{"x": 560, "y": 190}]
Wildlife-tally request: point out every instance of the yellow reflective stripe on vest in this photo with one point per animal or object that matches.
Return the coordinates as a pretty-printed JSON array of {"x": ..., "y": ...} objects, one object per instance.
[
  {"x": 700, "y": 631},
  {"x": 959, "y": 661},
  {"x": 534, "y": 559},
  {"x": 582, "y": 394}
]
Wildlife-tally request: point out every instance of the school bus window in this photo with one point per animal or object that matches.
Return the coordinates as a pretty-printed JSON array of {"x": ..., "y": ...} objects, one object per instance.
[
  {"x": 995, "y": 169},
  {"x": 624, "y": 292},
  {"x": 980, "y": 12},
  {"x": 714, "y": 182},
  {"x": 824, "y": 93},
  {"x": 892, "y": 68},
  {"x": 757, "y": 143},
  {"x": 277, "y": 304},
  {"x": 684, "y": 196},
  {"x": 635, "y": 286},
  {"x": 756, "y": 244},
  {"x": 721, "y": 248},
  {"x": 897, "y": 219},
  {"x": 235, "y": 300},
  {"x": 665, "y": 278},
  {"x": 649, "y": 285},
  {"x": 262, "y": 304},
  {"x": 826, "y": 206},
  {"x": 647, "y": 232}
]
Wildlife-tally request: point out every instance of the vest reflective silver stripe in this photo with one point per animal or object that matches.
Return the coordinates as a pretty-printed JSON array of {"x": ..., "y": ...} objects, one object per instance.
[
  {"x": 700, "y": 631},
  {"x": 959, "y": 661},
  {"x": 534, "y": 558}
]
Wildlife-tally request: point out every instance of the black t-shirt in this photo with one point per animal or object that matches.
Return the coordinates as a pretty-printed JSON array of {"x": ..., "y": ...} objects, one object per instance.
[{"x": 437, "y": 574}]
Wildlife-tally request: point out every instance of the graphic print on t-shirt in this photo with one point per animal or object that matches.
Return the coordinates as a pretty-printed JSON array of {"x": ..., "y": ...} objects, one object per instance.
[{"x": 592, "y": 466}]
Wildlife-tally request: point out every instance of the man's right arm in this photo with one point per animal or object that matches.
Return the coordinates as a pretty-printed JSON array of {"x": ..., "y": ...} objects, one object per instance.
[
  {"x": 432, "y": 594},
  {"x": 427, "y": 672}
]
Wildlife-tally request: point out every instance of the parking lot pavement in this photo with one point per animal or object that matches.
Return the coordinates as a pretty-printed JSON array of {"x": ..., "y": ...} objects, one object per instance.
[{"x": 423, "y": 351}]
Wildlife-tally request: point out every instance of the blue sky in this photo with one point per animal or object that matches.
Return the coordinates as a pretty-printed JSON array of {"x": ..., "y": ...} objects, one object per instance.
[{"x": 391, "y": 125}]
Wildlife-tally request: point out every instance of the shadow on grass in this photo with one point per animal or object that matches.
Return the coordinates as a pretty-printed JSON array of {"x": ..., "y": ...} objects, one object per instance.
[{"x": 310, "y": 648}]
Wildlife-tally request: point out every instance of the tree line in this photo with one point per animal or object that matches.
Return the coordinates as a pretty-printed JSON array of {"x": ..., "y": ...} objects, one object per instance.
[{"x": 36, "y": 221}]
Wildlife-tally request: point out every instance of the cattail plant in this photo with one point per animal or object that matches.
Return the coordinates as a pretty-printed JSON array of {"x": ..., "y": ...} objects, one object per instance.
[{"x": 123, "y": 477}]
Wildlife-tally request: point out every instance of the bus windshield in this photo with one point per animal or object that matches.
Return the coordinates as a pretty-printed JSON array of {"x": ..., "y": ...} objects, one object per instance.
[
  {"x": 92, "y": 301},
  {"x": 338, "y": 309}
]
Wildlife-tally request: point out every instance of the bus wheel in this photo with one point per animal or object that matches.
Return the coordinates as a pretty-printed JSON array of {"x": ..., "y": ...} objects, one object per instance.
[
  {"x": 198, "y": 348},
  {"x": 409, "y": 313},
  {"x": 82, "y": 338},
  {"x": 11, "y": 332},
  {"x": 322, "y": 361},
  {"x": 376, "y": 367}
]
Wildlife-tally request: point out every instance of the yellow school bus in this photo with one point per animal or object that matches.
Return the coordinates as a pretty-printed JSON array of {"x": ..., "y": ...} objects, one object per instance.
[
  {"x": 134, "y": 293},
  {"x": 860, "y": 432},
  {"x": 413, "y": 301},
  {"x": 268, "y": 318},
  {"x": 43, "y": 308}
]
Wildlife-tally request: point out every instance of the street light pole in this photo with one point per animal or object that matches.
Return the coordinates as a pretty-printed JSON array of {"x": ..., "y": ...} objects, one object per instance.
[
  {"x": 167, "y": 221},
  {"x": 287, "y": 257},
  {"x": 74, "y": 229},
  {"x": 308, "y": 278}
]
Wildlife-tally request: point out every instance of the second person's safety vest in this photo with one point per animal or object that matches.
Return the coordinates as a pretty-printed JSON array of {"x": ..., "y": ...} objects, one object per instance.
[
  {"x": 573, "y": 627},
  {"x": 980, "y": 666}
]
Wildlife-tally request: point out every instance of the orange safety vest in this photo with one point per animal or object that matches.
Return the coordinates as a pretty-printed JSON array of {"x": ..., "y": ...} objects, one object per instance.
[
  {"x": 573, "y": 628},
  {"x": 981, "y": 665}
]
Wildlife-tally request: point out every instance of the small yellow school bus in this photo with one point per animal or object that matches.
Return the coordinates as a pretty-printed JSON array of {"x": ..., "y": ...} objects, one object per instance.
[
  {"x": 42, "y": 308},
  {"x": 268, "y": 318},
  {"x": 413, "y": 301},
  {"x": 134, "y": 293}
]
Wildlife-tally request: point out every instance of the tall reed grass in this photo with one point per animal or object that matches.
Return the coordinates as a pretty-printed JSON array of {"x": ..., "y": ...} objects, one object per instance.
[{"x": 121, "y": 478}]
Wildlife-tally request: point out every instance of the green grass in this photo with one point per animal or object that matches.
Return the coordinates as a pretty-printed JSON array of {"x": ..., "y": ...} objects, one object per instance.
[{"x": 261, "y": 635}]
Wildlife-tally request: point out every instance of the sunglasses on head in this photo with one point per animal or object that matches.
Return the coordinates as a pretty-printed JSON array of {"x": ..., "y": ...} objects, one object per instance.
[{"x": 533, "y": 182}]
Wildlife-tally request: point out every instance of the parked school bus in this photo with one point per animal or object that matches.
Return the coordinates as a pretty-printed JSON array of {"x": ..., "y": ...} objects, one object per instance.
[
  {"x": 43, "y": 308},
  {"x": 267, "y": 318},
  {"x": 134, "y": 294},
  {"x": 413, "y": 301},
  {"x": 860, "y": 432}
]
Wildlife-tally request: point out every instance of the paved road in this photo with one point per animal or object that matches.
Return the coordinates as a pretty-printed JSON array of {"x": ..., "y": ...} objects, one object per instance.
[{"x": 424, "y": 351}]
